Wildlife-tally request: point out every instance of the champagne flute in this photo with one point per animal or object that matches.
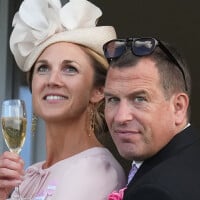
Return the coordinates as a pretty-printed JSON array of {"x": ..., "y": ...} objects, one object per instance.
[{"x": 13, "y": 123}]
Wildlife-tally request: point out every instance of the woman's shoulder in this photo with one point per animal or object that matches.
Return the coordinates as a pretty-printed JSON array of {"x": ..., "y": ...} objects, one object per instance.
[
  {"x": 94, "y": 173},
  {"x": 101, "y": 155},
  {"x": 94, "y": 160},
  {"x": 100, "y": 160},
  {"x": 98, "y": 165}
]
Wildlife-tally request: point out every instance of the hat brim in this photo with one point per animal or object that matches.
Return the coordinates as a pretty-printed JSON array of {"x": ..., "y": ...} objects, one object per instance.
[{"x": 93, "y": 38}]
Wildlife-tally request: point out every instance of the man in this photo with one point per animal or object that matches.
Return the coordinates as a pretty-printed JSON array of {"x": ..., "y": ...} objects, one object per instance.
[{"x": 147, "y": 110}]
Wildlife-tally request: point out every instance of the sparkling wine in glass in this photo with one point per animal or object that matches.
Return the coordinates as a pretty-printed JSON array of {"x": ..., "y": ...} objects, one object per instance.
[{"x": 13, "y": 123}]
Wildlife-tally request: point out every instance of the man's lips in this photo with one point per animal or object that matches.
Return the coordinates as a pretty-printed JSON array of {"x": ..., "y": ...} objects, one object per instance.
[{"x": 122, "y": 131}]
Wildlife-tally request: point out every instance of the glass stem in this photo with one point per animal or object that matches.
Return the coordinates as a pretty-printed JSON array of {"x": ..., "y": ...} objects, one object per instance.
[{"x": 18, "y": 192}]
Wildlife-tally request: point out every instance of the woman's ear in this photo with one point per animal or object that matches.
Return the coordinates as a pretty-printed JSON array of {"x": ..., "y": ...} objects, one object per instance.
[
  {"x": 181, "y": 103},
  {"x": 97, "y": 95}
]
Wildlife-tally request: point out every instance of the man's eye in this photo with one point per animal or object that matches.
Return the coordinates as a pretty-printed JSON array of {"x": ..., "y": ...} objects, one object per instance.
[
  {"x": 111, "y": 100},
  {"x": 140, "y": 99}
]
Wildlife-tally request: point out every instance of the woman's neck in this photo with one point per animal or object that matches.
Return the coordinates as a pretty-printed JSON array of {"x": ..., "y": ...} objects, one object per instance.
[{"x": 64, "y": 140}]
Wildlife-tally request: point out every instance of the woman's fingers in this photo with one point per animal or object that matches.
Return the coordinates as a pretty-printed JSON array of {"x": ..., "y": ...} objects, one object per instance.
[{"x": 11, "y": 169}]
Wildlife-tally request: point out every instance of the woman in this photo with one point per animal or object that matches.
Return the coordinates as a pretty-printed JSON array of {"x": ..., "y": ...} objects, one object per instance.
[{"x": 61, "y": 49}]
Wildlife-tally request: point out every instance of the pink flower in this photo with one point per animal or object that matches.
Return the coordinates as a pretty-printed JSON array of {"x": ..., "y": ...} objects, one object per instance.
[{"x": 117, "y": 195}]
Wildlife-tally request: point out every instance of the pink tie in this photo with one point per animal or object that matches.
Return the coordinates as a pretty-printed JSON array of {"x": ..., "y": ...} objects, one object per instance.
[{"x": 132, "y": 172}]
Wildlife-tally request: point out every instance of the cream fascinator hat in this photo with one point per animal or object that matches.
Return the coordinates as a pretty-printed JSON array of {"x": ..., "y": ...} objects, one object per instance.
[{"x": 39, "y": 23}]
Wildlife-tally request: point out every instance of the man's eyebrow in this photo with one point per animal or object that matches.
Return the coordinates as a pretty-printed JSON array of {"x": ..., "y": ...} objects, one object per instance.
[
  {"x": 139, "y": 92},
  {"x": 130, "y": 95},
  {"x": 108, "y": 94}
]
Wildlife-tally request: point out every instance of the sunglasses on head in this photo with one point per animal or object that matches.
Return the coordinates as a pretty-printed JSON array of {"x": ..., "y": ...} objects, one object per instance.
[{"x": 140, "y": 47}]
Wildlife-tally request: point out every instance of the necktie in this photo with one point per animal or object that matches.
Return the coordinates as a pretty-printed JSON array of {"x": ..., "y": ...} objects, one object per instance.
[{"x": 132, "y": 172}]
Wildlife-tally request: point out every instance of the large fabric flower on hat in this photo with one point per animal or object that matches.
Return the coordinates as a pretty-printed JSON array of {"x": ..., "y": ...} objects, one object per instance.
[{"x": 38, "y": 20}]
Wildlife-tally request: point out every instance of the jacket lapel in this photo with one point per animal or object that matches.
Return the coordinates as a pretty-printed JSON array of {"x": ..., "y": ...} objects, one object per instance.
[{"x": 179, "y": 142}]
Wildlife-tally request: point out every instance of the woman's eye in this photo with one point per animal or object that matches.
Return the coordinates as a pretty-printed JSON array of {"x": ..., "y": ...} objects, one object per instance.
[
  {"x": 70, "y": 70},
  {"x": 42, "y": 69}
]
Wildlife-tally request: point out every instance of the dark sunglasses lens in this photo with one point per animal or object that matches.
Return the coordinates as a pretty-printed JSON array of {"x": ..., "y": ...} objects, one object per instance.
[
  {"x": 114, "y": 49},
  {"x": 143, "y": 46}
]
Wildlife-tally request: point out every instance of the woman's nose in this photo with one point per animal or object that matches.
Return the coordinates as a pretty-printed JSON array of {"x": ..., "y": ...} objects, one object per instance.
[{"x": 55, "y": 78}]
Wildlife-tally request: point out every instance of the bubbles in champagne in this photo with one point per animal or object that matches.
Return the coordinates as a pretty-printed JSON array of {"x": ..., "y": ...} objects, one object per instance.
[{"x": 14, "y": 132}]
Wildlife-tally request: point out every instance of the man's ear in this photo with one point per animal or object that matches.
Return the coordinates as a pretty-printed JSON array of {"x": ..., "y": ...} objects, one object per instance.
[
  {"x": 181, "y": 103},
  {"x": 97, "y": 95}
]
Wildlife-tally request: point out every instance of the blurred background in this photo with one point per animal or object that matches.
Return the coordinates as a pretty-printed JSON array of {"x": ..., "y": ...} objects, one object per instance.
[{"x": 174, "y": 21}]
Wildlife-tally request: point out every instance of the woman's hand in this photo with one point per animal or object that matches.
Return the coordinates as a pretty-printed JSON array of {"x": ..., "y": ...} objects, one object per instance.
[{"x": 11, "y": 173}]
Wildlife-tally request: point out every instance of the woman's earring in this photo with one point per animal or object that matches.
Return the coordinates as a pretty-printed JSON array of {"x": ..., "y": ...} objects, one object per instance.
[
  {"x": 92, "y": 119},
  {"x": 34, "y": 124}
]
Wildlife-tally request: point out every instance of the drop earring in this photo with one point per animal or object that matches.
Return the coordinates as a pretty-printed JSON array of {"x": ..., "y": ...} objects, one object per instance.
[
  {"x": 34, "y": 124},
  {"x": 91, "y": 120}
]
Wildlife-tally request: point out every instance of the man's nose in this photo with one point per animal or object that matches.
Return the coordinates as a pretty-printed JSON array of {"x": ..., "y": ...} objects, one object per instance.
[{"x": 123, "y": 113}]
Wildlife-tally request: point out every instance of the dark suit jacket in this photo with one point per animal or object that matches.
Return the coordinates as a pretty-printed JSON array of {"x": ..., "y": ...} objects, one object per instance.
[{"x": 172, "y": 174}]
